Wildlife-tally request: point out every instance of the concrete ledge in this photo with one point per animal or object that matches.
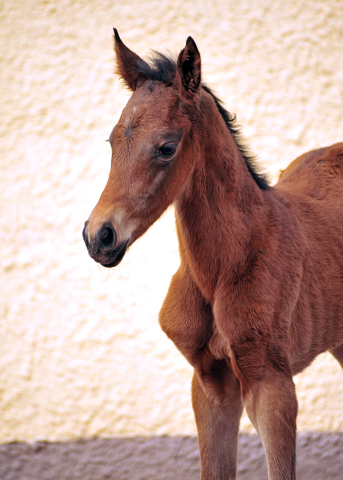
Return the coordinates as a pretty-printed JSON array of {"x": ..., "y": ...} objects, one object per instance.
[{"x": 158, "y": 458}]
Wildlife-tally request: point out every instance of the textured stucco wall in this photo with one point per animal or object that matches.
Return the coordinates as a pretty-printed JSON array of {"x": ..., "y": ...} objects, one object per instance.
[{"x": 81, "y": 352}]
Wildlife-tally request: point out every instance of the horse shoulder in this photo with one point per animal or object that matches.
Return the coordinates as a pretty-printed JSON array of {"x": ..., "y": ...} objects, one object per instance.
[
  {"x": 253, "y": 310},
  {"x": 254, "y": 315}
]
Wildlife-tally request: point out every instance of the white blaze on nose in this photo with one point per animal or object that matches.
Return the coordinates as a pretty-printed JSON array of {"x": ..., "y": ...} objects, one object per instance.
[{"x": 123, "y": 225}]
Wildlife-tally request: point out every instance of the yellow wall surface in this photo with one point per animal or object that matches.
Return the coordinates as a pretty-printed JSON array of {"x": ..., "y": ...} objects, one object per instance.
[{"x": 81, "y": 352}]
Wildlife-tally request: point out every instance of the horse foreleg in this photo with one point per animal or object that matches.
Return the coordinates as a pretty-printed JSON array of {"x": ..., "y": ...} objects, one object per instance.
[
  {"x": 187, "y": 319},
  {"x": 338, "y": 354},
  {"x": 272, "y": 407},
  {"x": 217, "y": 417}
]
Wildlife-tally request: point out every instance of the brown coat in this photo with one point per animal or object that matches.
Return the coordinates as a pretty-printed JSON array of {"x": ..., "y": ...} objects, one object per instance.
[{"x": 258, "y": 294}]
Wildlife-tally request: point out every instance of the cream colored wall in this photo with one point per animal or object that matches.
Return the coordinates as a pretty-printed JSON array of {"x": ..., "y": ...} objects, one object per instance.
[{"x": 81, "y": 351}]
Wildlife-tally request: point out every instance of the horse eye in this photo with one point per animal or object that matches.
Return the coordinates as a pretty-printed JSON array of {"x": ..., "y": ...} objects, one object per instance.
[{"x": 167, "y": 150}]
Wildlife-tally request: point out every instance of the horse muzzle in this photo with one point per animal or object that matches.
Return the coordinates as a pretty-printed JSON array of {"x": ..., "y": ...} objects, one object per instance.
[{"x": 103, "y": 247}]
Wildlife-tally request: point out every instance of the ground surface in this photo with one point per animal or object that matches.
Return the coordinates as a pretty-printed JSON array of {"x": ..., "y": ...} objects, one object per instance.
[
  {"x": 89, "y": 385},
  {"x": 158, "y": 458}
]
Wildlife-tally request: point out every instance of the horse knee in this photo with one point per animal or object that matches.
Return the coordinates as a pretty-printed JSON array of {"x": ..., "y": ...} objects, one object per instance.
[
  {"x": 272, "y": 404},
  {"x": 272, "y": 407}
]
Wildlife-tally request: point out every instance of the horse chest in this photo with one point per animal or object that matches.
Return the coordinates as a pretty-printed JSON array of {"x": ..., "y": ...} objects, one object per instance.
[{"x": 219, "y": 346}]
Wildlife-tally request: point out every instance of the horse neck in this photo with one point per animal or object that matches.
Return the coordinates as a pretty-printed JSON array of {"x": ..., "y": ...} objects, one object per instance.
[{"x": 217, "y": 211}]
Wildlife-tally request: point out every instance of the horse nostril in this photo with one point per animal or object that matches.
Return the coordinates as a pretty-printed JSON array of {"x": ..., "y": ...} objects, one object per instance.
[
  {"x": 107, "y": 238},
  {"x": 84, "y": 234}
]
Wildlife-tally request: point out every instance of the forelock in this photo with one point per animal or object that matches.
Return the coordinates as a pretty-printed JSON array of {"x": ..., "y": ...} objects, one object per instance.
[{"x": 161, "y": 68}]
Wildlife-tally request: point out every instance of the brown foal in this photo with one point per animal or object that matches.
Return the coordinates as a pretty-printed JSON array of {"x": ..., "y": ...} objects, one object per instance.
[{"x": 259, "y": 291}]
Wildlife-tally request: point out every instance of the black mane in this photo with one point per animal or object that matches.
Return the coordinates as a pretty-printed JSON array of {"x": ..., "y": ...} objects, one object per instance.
[
  {"x": 250, "y": 160},
  {"x": 163, "y": 69}
]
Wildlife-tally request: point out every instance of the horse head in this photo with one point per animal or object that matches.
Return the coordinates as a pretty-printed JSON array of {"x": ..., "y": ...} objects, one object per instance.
[{"x": 152, "y": 151}]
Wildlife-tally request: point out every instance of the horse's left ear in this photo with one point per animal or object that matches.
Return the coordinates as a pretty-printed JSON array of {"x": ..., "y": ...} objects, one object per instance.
[
  {"x": 129, "y": 65},
  {"x": 189, "y": 67}
]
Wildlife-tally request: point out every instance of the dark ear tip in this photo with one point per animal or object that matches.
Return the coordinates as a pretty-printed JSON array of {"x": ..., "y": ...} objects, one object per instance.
[
  {"x": 116, "y": 34},
  {"x": 191, "y": 44}
]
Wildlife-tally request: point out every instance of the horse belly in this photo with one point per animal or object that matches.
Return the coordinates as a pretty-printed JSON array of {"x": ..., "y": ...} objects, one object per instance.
[{"x": 317, "y": 321}]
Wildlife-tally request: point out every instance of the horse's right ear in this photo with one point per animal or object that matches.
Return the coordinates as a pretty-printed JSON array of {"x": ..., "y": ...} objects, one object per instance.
[{"x": 129, "y": 65}]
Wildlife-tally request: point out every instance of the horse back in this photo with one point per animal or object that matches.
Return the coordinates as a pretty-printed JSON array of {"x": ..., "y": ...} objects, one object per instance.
[{"x": 317, "y": 174}]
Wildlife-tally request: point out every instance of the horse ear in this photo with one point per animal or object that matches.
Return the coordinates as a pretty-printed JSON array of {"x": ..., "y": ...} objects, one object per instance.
[
  {"x": 129, "y": 65},
  {"x": 189, "y": 67}
]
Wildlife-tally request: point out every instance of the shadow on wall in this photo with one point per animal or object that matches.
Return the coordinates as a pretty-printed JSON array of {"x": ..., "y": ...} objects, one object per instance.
[{"x": 320, "y": 457}]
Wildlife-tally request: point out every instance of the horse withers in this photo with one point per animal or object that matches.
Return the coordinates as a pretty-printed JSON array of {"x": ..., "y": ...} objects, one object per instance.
[{"x": 259, "y": 291}]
